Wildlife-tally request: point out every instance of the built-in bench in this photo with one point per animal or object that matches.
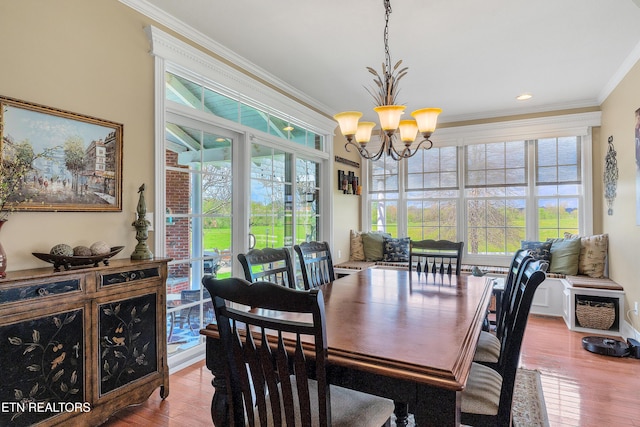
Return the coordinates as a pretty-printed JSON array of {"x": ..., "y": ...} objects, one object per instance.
[
  {"x": 559, "y": 295},
  {"x": 350, "y": 267},
  {"x": 593, "y": 305}
]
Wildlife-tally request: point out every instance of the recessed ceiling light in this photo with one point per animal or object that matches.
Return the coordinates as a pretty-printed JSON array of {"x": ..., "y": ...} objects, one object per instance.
[
  {"x": 524, "y": 97},
  {"x": 221, "y": 139},
  {"x": 288, "y": 129}
]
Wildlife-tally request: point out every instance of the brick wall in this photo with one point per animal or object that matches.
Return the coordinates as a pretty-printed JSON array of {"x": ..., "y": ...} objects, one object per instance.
[{"x": 177, "y": 231}]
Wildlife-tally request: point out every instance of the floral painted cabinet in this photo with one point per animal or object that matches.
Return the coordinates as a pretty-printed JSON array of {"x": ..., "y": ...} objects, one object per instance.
[
  {"x": 45, "y": 357},
  {"x": 77, "y": 346}
]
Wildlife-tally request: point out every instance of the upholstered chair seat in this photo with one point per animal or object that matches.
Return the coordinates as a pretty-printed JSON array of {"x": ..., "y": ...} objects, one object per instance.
[
  {"x": 482, "y": 393},
  {"x": 488, "y": 350},
  {"x": 349, "y": 408}
]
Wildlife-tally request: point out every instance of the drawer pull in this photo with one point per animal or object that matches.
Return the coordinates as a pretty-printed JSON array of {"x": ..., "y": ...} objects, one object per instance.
[{"x": 43, "y": 292}]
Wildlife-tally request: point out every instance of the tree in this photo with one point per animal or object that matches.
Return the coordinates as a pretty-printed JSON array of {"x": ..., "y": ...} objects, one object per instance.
[
  {"x": 74, "y": 159},
  {"x": 17, "y": 163},
  {"x": 217, "y": 189}
]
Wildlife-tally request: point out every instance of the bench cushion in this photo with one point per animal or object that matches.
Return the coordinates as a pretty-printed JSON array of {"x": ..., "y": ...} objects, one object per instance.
[
  {"x": 395, "y": 249},
  {"x": 593, "y": 254},
  {"x": 593, "y": 283},
  {"x": 356, "y": 249},
  {"x": 356, "y": 265}
]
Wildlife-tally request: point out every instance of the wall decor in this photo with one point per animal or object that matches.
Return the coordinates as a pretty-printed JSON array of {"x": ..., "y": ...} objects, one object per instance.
[
  {"x": 77, "y": 159},
  {"x": 347, "y": 161},
  {"x": 610, "y": 176},
  {"x": 348, "y": 182}
]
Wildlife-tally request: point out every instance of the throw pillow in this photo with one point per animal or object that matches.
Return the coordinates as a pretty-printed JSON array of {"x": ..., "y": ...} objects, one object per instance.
[
  {"x": 395, "y": 250},
  {"x": 356, "y": 249},
  {"x": 593, "y": 254},
  {"x": 539, "y": 250},
  {"x": 565, "y": 256},
  {"x": 373, "y": 245}
]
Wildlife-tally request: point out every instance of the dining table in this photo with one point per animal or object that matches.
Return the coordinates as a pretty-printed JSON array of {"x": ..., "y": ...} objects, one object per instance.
[{"x": 396, "y": 333}]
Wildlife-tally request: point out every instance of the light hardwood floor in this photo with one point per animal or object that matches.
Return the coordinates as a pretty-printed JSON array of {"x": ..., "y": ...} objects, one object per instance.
[{"x": 580, "y": 388}]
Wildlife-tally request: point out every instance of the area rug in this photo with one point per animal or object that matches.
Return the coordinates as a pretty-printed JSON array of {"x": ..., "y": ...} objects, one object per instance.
[{"x": 528, "y": 401}]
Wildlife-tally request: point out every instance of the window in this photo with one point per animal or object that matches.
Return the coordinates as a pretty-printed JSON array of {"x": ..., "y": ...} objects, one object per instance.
[
  {"x": 432, "y": 194},
  {"x": 241, "y": 160},
  {"x": 307, "y": 200},
  {"x": 271, "y": 219},
  {"x": 495, "y": 197},
  {"x": 490, "y": 195},
  {"x": 194, "y": 95},
  {"x": 558, "y": 186},
  {"x": 384, "y": 194},
  {"x": 198, "y": 225}
]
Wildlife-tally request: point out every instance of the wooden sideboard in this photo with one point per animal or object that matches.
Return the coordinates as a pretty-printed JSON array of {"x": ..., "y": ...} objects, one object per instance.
[{"x": 78, "y": 345}]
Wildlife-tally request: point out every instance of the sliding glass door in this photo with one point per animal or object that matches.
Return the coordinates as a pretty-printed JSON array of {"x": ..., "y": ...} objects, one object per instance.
[{"x": 198, "y": 223}]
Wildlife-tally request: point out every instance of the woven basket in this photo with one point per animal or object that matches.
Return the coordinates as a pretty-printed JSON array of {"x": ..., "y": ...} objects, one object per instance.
[{"x": 595, "y": 314}]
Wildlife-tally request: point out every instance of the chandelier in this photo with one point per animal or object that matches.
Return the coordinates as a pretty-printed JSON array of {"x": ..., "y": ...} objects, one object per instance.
[{"x": 389, "y": 114}]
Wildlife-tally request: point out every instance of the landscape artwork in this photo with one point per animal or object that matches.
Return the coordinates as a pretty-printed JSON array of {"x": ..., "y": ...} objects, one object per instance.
[{"x": 63, "y": 161}]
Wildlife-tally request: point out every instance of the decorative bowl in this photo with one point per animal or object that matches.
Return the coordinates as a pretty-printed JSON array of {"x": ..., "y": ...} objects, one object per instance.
[{"x": 74, "y": 261}]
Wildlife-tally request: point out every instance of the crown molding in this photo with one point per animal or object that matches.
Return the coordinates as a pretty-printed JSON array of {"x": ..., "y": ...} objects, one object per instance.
[
  {"x": 631, "y": 60},
  {"x": 184, "y": 30},
  {"x": 512, "y": 130}
]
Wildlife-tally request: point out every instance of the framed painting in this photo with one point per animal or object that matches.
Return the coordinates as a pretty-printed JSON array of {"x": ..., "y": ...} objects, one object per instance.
[{"x": 61, "y": 161}]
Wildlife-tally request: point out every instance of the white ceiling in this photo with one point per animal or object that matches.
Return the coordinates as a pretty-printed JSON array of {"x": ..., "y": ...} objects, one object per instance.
[{"x": 469, "y": 57}]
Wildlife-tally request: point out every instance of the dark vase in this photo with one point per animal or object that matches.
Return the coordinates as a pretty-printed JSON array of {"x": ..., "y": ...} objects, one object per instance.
[{"x": 3, "y": 256}]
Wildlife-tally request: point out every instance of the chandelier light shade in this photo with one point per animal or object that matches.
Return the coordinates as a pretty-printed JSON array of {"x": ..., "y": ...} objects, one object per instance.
[
  {"x": 363, "y": 133},
  {"x": 389, "y": 114}
]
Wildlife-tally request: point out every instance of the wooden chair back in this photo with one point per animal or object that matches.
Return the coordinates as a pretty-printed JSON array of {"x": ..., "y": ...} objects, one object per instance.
[
  {"x": 266, "y": 381},
  {"x": 436, "y": 256},
  {"x": 533, "y": 274},
  {"x": 270, "y": 265},
  {"x": 519, "y": 258},
  {"x": 511, "y": 342},
  {"x": 316, "y": 264}
]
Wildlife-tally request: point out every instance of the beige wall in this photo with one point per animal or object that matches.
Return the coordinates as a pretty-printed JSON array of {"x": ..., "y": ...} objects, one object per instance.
[
  {"x": 88, "y": 57},
  {"x": 346, "y": 207},
  {"x": 92, "y": 58},
  {"x": 624, "y": 233}
]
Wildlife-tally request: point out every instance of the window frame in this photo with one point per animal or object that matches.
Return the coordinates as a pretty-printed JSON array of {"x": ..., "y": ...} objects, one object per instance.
[
  {"x": 174, "y": 56},
  {"x": 577, "y": 124}
]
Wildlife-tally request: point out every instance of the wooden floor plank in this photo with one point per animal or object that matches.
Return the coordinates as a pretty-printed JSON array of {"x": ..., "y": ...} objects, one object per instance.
[{"x": 581, "y": 389}]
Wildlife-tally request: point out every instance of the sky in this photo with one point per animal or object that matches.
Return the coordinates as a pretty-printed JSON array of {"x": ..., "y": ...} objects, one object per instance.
[{"x": 48, "y": 131}]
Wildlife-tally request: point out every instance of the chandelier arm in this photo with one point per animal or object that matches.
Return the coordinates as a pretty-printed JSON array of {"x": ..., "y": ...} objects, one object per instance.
[
  {"x": 423, "y": 141},
  {"x": 378, "y": 154},
  {"x": 364, "y": 153}
]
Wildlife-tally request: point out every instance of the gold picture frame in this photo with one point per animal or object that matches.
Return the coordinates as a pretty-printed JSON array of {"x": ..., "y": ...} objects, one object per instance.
[{"x": 74, "y": 161}]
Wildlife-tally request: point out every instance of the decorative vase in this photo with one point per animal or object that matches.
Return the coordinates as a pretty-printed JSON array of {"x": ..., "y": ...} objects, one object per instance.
[{"x": 3, "y": 256}]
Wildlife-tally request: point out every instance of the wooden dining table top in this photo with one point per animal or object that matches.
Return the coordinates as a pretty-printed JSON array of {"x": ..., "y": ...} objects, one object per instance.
[
  {"x": 405, "y": 325},
  {"x": 400, "y": 324}
]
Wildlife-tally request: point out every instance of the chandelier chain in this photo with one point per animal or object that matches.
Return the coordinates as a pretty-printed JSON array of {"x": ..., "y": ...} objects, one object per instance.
[
  {"x": 387, "y": 54},
  {"x": 384, "y": 94}
]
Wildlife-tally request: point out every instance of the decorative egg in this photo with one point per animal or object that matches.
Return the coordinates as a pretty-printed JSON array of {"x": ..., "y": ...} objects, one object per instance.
[
  {"x": 100, "y": 248},
  {"x": 81, "y": 251},
  {"x": 61, "y": 250}
]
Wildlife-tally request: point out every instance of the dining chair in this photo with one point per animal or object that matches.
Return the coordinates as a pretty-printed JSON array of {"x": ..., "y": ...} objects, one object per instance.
[
  {"x": 316, "y": 264},
  {"x": 276, "y": 377},
  {"x": 269, "y": 264},
  {"x": 188, "y": 296},
  {"x": 436, "y": 256},
  {"x": 488, "y": 348},
  {"x": 488, "y": 395}
]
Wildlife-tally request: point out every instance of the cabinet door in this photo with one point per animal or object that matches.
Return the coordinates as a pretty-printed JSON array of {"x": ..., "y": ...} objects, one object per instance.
[
  {"x": 128, "y": 341},
  {"x": 42, "y": 362}
]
